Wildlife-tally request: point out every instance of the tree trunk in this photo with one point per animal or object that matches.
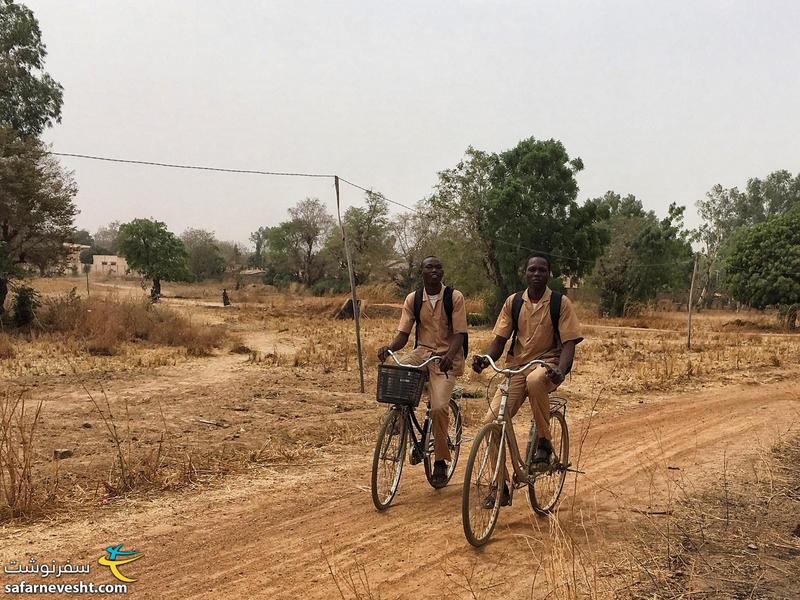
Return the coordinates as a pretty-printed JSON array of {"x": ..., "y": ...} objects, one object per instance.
[
  {"x": 3, "y": 294},
  {"x": 155, "y": 292}
]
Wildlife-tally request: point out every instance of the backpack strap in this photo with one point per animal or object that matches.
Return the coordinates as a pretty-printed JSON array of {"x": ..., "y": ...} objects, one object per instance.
[
  {"x": 417, "y": 310},
  {"x": 516, "y": 308},
  {"x": 448, "y": 309},
  {"x": 555, "y": 315}
]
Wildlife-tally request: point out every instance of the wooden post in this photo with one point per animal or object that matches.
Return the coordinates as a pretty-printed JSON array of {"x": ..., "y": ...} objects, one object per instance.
[
  {"x": 86, "y": 270},
  {"x": 691, "y": 300},
  {"x": 356, "y": 309}
]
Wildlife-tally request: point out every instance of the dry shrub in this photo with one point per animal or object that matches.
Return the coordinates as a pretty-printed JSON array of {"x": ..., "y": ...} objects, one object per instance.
[
  {"x": 104, "y": 324},
  {"x": 380, "y": 293},
  {"x": 19, "y": 491},
  {"x": 6, "y": 347}
]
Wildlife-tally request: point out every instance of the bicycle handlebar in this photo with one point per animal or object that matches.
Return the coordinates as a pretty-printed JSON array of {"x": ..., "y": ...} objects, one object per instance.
[
  {"x": 399, "y": 364},
  {"x": 514, "y": 371}
]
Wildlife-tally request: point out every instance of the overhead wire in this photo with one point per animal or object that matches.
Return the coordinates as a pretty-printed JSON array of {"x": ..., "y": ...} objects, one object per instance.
[{"x": 328, "y": 176}]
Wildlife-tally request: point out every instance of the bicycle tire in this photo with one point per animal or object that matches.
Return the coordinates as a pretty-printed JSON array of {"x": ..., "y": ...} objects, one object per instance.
[
  {"x": 389, "y": 450},
  {"x": 454, "y": 431},
  {"x": 479, "y": 522},
  {"x": 551, "y": 482}
]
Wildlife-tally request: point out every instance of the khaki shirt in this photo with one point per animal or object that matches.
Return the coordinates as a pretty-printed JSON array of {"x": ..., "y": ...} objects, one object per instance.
[
  {"x": 434, "y": 330},
  {"x": 535, "y": 338}
]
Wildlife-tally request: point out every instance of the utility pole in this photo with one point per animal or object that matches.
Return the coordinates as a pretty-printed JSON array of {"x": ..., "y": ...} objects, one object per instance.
[
  {"x": 356, "y": 310},
  {"x": 691, "y": 297}
]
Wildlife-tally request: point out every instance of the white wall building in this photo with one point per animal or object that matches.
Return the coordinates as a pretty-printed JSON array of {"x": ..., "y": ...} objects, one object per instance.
[{"x": 109, "y": 264}]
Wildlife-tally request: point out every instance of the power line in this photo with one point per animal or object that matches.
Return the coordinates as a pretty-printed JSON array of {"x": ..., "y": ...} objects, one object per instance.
[
  {"x": 190, "y": 167},
  {"x": 316, "y": 175}
]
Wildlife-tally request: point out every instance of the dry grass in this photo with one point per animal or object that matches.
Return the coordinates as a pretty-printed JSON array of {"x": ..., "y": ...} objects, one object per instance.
[
  {"x": 21, "y": 494},
  {"x": 104, "y": 324},
  {"x": 737, "y": 537}
]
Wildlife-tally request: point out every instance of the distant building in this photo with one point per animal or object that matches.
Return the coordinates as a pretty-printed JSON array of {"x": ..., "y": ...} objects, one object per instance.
[
  {"x": 109, "y": 264},
  {"x": 73, "y": 262}
]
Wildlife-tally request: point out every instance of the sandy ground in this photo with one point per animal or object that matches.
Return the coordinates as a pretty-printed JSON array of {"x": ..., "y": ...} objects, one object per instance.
[{"x": 307, "y": 528}]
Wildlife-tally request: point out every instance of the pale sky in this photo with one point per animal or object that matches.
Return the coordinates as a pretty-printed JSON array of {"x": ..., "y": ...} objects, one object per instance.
[{"x": 659, "y": 99}]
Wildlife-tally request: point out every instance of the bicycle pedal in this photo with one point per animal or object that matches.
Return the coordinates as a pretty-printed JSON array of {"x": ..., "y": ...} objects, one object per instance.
[{"x": 415, "y": 457}]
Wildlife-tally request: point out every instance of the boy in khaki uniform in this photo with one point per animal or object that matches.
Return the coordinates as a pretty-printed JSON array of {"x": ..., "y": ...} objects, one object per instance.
[
  {"x": 535, "y": 339},
  {"x": 435, "y": 337}
]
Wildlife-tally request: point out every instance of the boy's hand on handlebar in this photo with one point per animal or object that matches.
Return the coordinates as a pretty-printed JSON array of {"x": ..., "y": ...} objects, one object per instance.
[
  {"x": 383, "y": 353},
  {"x": 445, "y": 363},
  {"x": 555, "y": 375},
  {"x": 479, "y": 363}
]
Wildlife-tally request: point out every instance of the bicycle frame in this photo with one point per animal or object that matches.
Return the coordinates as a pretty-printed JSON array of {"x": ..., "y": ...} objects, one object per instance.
[{"x": 508, "y": 437}]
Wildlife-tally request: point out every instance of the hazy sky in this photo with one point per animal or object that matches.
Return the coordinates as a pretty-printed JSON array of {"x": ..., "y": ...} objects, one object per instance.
[{"x": 659, "y": 99}]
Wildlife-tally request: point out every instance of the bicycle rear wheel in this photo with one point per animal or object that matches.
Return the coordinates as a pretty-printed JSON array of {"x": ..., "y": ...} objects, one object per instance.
[
  {"x": 482, "y": 477},
  {"x": 545, "y": 490},
  {"x": 387, "y": 460},
  {"x": 453, "y": 443}
]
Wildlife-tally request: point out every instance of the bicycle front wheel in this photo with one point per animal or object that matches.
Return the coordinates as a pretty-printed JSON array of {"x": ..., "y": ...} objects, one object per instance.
[
  {"x": 454, "y": 429},
  {"x": 544, "y": 490},
  {"x": 387, "y": 460},
  {"x": 483, "y": 485}
]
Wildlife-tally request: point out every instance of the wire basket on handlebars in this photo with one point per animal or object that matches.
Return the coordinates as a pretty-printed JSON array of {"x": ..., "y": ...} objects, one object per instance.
[{"x": 400, "y": 385}]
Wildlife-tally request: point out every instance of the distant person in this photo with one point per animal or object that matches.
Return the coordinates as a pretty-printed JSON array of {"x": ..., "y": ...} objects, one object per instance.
[
  {"x": 441, "y": 321},
  {"x": 226, "y": 301},
  {"x": 543, "y": 325}
]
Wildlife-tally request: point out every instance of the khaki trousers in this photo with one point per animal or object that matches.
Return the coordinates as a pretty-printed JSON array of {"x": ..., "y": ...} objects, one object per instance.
[
  {"x": 440, "y": 388},
  {"x": 536, "y": 385}
]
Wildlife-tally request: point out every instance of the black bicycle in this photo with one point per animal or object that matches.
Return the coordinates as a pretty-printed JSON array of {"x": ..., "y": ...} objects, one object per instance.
[{"x": 401, "y": 387}]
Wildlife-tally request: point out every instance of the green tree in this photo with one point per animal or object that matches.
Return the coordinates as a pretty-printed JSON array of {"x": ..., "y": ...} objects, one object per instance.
[
  {"x": 81, "y": 236},
  {"x": 369, "y": 236},
  {"x": 311, "y": 224},
  {"x": 509, "y": 204},
  {"x": 30, "y": 99},
  {"x": 725, "y": 210},
  {"x": 153, "y": 251},
  {"x": 764, "y": 264},
  {"x": 36, "y": 204},
  {"x": 645, "y": 255},
  {"x": 105, "y": 239},
  {"x": 205, "y": 258},
  {"x": 415, "y": 235},
  {"x": 283, "y": 255},
  {"x": 259, "y": 238}
]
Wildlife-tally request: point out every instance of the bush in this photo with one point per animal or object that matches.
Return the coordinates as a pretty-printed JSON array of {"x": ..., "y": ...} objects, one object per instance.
[
  {"x": 26, "y": 301},
  {"x": 478, "y": 319},
  {"x": 106, "y": 323}
]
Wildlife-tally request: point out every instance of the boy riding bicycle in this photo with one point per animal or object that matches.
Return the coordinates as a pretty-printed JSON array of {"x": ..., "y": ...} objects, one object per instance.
[
  {"x": 441, "y": 330},
  {"x": 543, "y": 325}
]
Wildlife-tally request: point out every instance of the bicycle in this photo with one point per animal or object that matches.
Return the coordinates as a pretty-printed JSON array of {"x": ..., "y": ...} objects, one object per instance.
[
  {"x": 484, "y": 476},
  {"x": 401, "y": 387}
]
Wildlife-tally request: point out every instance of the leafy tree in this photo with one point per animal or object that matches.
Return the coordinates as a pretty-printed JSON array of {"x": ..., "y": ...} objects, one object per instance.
[
  {"x": 724, "y": 210},
  {"x": 415, "y": 234},
  {"x": 764, "y": 264},
  {"x": 86, "y": 256},
  {"x": 259, "y": 238},
  {"x": 205, "y": 257},
  {"x": 36, "y": 204},
  {"x": 645, "y": 255},
  {"x": 520, "y": 200},
  {"x": 83, "y": 237},
  {"x": 105, "y": 238},
  {"x": 369, "y": 236},
  {"x": 282, "y": 253},
  {"x": 30, "y": 100},
  {"x": 153, "y": 251},
  {"x": 310, "y": 226},
  {"x": 232, "y": 254}
]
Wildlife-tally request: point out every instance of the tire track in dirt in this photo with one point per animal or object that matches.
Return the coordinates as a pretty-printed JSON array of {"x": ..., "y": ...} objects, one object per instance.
[{"x": 266, "y": 536}]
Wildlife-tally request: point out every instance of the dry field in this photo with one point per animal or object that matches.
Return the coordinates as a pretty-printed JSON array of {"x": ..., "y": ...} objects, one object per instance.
[{"x": 232, "y": 447}]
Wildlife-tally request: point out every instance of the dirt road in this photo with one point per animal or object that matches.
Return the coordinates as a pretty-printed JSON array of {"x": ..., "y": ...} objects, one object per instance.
[{"x": 301, "y": 531}]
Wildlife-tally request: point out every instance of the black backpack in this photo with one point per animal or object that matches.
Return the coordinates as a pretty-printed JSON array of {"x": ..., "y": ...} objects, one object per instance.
[
  {"x": 555, "y": 313},
  {"x": 448, "y": 308}
]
